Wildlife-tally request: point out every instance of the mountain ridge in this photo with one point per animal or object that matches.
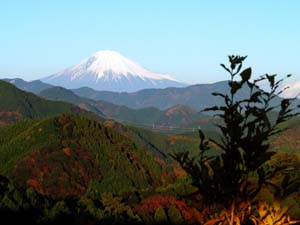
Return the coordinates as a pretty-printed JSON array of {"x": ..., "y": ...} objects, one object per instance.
[
  {"x": 198, "y": 96},
  {"x": 18, "y": 105},
  {"x": 178, "y": 115},
  {"x": 34, "y": 86}
]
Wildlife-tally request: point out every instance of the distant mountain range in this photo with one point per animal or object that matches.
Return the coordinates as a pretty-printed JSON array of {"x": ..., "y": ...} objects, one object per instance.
[
  {"x": 109, "y": 70},
  {"x": 35, "y": 86},
  {"x": 196, "y": 97},
  {"x": 177, "y": 115}
]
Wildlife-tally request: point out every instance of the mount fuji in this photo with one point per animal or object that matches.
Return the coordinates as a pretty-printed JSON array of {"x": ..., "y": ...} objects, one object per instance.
[{"x": 111, "y": 71}]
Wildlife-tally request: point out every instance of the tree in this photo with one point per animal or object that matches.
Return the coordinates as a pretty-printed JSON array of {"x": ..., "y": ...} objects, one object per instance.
[
  {"x": 160, "y": 216},
  {"x": 175, "y": 215},
  {"x": 245, "y": 128}
]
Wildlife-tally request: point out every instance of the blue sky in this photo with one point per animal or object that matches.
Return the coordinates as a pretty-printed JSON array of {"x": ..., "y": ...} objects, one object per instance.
[{"x": 188, "y": 39}]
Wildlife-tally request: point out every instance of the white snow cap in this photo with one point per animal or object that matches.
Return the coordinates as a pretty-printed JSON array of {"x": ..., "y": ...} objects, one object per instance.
[
  {"x": 111, "y": 61},
  {"x": 292, "y": 91},
  {"x": 111, "y": 71}
]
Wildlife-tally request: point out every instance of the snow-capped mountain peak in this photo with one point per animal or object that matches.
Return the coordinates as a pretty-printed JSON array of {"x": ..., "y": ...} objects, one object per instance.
[
  {"x": 108, "y": 60},
  {"x": 109, "y": 70}
]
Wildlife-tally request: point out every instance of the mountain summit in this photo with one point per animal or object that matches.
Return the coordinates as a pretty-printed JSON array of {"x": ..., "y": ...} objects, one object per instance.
[{"x": 111, "y": 71}]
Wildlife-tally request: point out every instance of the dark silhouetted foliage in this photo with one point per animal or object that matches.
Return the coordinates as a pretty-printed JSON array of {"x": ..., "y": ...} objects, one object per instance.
[{"x": 245, "y": 129}]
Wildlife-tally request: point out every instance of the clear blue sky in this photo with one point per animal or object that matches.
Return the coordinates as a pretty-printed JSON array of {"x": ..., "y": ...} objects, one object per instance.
[{"x": 185, "y": 38}]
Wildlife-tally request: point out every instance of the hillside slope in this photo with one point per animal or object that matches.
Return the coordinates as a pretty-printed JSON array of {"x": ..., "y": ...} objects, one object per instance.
[
  {"x": 27, "y": 104},
  {"x": 18, "y": 105},
  {"x": 71, "y": 155},
  {"x": 35, "y": 86}
]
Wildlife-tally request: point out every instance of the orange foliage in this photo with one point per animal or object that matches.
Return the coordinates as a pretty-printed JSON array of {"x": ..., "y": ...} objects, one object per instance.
[
  {"x": 290, "y": 138},
  {"x": 178, "y": 171},
  {"x": 67, "y": 151},
  {"x": 32, "y": 182},
  {"x": 174, "y": 138},
  {"x": 150, "y": 204},
  {"x": 9, "y": 117},
  {"x": 50, "y": 172},
  {"x": 109, "y": 123}
]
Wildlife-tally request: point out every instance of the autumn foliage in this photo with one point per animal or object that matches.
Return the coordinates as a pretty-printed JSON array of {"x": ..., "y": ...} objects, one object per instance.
[{"x": 150, "y": 205}]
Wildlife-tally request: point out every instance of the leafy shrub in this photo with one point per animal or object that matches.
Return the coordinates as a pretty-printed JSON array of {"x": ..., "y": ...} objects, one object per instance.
[{"x": 245, "y": 128}]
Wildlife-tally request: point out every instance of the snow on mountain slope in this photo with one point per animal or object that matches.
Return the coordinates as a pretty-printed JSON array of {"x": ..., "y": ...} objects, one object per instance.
[
  {"x": 109, "y": 70},
  {"x": 292, "y": 91}
]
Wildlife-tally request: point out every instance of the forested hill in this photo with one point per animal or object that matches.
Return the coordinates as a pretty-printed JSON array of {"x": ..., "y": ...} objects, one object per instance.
[
  {"x": 18, "y": 105},
  {"x": 72, "y": 155},
  {"x": 34, "y": 86}
]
